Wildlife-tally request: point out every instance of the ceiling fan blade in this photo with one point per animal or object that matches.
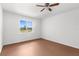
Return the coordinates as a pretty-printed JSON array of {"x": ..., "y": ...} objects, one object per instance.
[
  {"x": 40, "y": 5},
  {"x": 55, "y": 4},
  {"x": 42, "y": 9},
  {"x": 49, "y": 9},
  {"x": 46, "y": 4}
]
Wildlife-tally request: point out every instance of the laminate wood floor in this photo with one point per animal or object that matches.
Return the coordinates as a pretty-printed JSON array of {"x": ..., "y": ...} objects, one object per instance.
[{"x": 39, "y": 47}]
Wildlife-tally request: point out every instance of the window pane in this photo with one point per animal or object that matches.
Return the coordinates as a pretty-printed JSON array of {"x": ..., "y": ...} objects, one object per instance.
[{"x": 22, "y": 25}]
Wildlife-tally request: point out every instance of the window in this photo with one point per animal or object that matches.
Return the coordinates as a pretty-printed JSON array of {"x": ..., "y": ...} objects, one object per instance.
[{"x": 25, "y": 26}]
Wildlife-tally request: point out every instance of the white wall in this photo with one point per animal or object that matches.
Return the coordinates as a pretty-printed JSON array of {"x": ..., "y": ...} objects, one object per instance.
[
  {"x": 0, "y": 27},
  {"x": 62, "y": 28},
  {"x": 12, "y": 33}
]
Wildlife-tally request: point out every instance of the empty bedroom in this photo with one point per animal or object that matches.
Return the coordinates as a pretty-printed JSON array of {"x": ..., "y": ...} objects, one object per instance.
[{"x": 39, "y": 29}]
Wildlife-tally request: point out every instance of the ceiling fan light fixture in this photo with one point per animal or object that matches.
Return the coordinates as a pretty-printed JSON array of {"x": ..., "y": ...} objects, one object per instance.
[{"x": 47, "y": 6}]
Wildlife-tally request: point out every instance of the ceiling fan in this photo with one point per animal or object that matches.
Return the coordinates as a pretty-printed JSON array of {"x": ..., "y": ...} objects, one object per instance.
[{"x": 48, "y": 6}]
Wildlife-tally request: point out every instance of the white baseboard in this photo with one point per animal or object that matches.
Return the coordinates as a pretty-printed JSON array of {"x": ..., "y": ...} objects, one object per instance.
[
  {"x": 77, "y": 47},
  {"x": 19, "y": 41}
]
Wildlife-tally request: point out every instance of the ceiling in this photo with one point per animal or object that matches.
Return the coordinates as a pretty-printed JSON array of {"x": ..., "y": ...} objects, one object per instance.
[{"x": 31, "y": 10}]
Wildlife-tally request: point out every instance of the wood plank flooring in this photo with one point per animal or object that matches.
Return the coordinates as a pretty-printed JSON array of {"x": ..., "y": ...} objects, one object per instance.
[{"x": 39, "y": 47}]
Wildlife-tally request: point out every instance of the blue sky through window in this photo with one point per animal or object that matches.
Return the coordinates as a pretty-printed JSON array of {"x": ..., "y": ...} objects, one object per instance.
[
  {"x": 29, "y": 23},
  {"x": 22, "y": 23},
  {"x": 25, "y": 23}
]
